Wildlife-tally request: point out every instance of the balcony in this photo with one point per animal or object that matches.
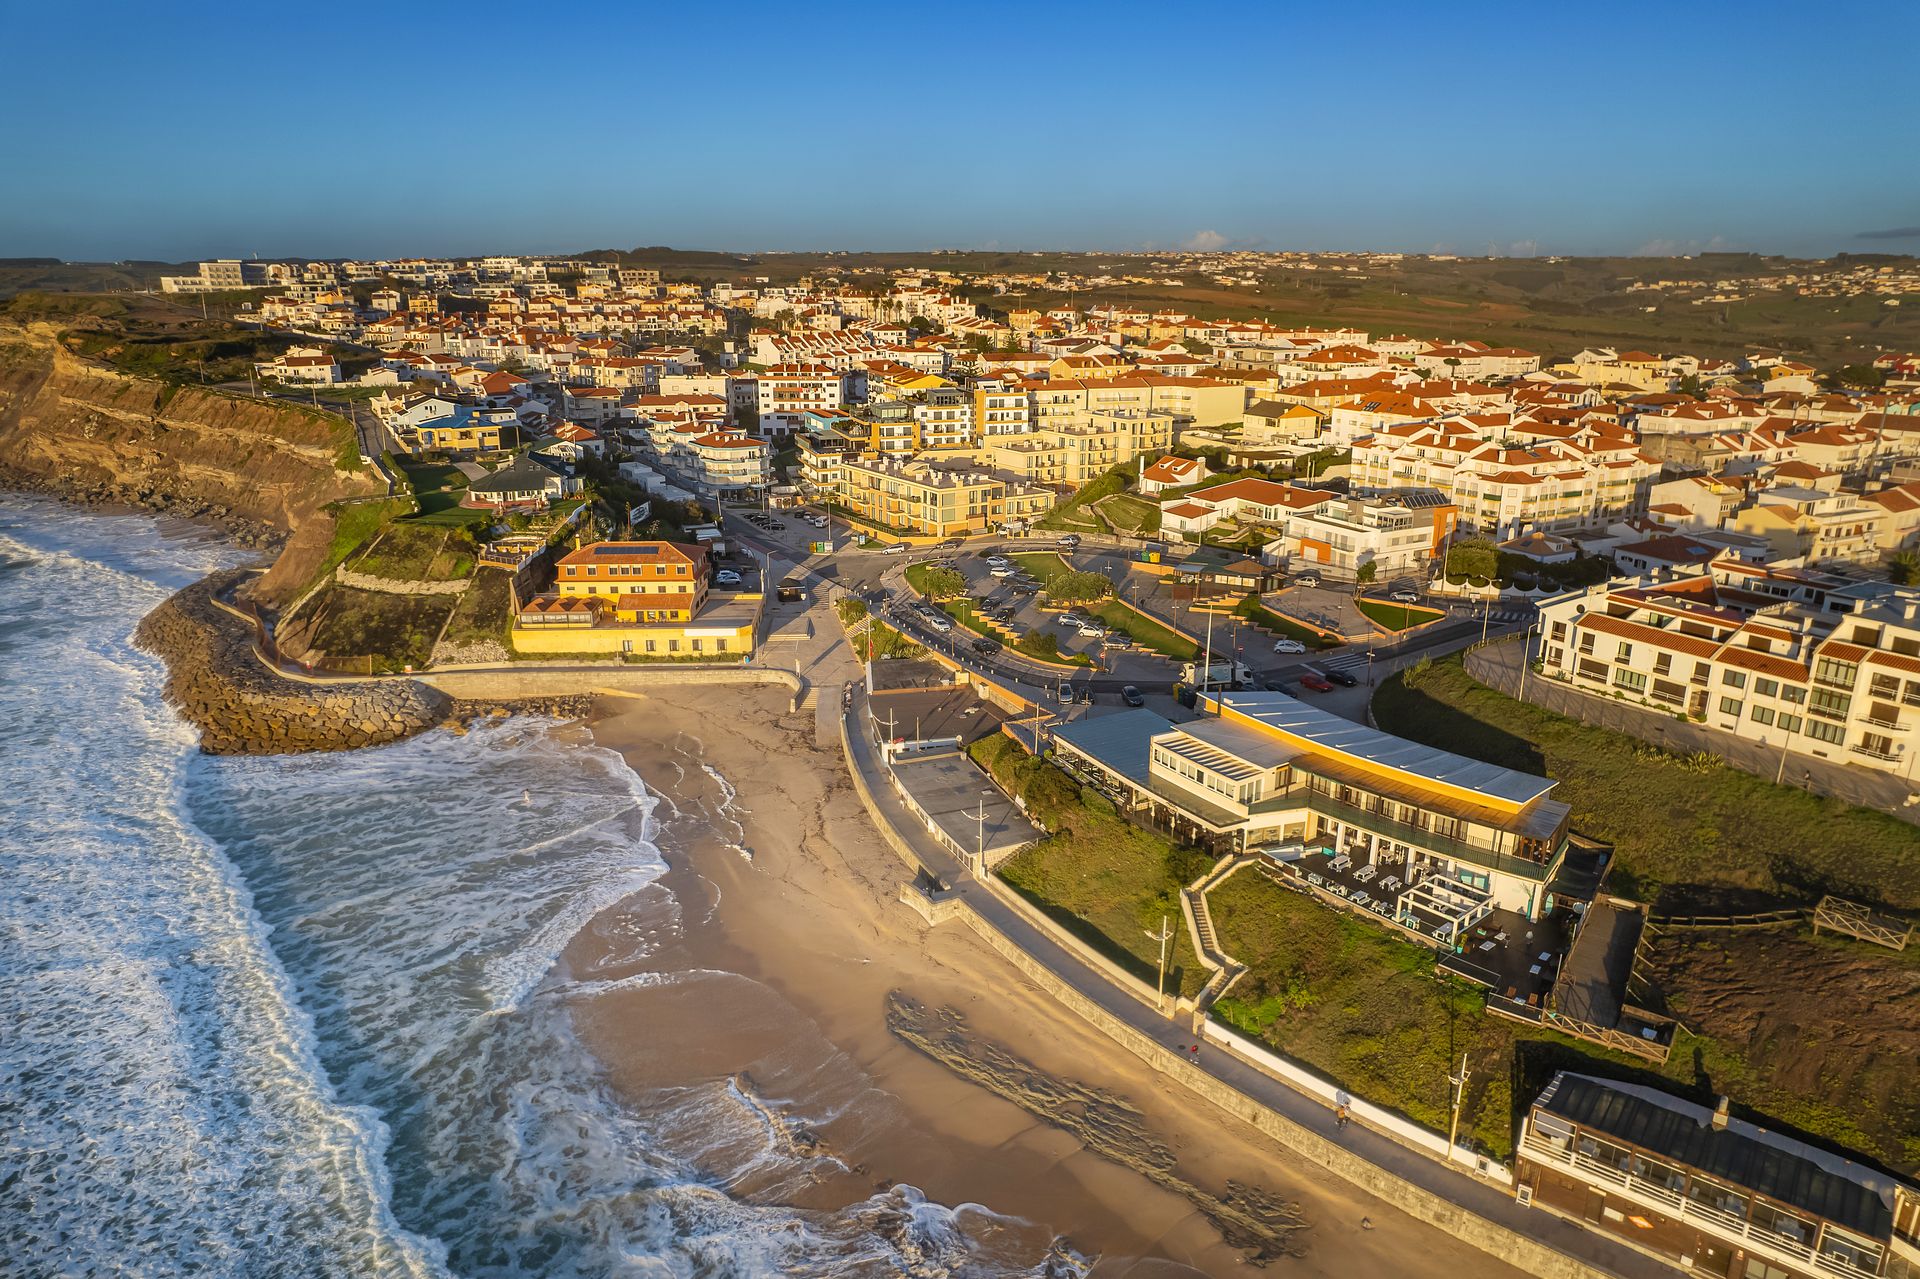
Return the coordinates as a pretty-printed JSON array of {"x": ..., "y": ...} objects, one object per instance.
[
  {"x": 1726, "y": 1225},
  {"x": 1873, "y": 753}
]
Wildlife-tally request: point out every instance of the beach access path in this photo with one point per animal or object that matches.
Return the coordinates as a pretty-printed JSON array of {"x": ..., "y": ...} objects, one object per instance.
[{"x": 1462, "y": 1191}]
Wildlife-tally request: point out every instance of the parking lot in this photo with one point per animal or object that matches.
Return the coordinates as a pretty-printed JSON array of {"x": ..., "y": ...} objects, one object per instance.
[{"x": 1008, "y": 596}]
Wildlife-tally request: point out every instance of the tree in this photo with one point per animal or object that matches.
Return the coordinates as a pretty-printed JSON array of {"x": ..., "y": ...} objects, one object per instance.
[
  {"x": 1475, "y": 557},
  {"x": 1079, "y": 587},
  {"x": 1197, "y": 346},
  {"x": 944, "y": 583},
  {"x": 1903, "y": 567},
  {"x": 1366, "y": 575}
]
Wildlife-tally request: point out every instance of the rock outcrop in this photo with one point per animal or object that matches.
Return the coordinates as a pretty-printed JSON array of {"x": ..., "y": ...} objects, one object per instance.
[
  {"x": 242, "y": 708},
  {"x": 265, "y": 471}
]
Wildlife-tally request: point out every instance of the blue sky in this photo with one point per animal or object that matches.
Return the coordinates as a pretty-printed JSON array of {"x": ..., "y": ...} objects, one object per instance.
[{"x": 177, "y": 132}]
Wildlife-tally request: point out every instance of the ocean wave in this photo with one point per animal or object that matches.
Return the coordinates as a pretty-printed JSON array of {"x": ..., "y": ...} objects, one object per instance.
[{"x": 307, "y": 1015}]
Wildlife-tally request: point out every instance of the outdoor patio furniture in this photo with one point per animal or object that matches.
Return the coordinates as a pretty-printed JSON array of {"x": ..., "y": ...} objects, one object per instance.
[
  {"x": 1360, "y": 898},
  {"x": 1500, "y": 937},
  {"x": 1535, "y": 970},
  {"x": 1545, "y": 955},
  {"x": 1314, "y": 879},
  {"x": 1486, "y": 945}
]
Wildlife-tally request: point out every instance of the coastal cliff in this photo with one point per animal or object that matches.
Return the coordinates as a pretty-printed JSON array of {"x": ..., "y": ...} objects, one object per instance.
[
  {"x": 241, "y": 708},
  {"x": 265, "y": 471}
]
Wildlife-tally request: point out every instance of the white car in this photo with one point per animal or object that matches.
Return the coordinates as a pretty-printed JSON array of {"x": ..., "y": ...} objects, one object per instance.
[
  {"x": 998, "y": 561},
  {"x": 941, "y": 623},
  {"x": 1288, "y": 646},
  {"x": 726, "y": 577},
  {"x": 1093, "y": 630},
  {"x": 1002, "y": 570},
  {"x": 1405, "y": 596},
  {"x": 896, "y": 548}
]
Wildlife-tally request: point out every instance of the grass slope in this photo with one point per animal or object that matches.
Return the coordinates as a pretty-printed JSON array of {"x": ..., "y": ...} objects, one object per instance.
[{"x": 1687, "y": 831}]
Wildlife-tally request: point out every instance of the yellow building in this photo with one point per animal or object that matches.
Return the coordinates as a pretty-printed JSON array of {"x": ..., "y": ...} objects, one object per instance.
[
  {"x": 1073, "y": 454},
  {"x": 922, "y": 499},
  {"x": 645, "y": 599}
]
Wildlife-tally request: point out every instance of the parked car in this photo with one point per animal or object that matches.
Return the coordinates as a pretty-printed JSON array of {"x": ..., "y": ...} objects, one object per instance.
[
  {"x": 985, "y": 645},
  {"x": 726, "y": 577},
  {"x": 1341, "y": 678},
  {"x": 1001, "y": 570},
  {"x": 895, "y": 548},
  {"x": 1307, "y": 579},
  {"x": 1315, "y": 682},
  {"x": 1025, "y": 588},
  {"x": 1406, "y": 595},
  {"x": 1093, "y": 630},
  {"x": 1068, "y": 540},
  {"x": 1133, "y": 696},
  {"x": 998, "y": 560},
  {"x": 1117, "y": 641},
  {"x": 953, "y": 543},
  {"x": 1289, "y": 646}
]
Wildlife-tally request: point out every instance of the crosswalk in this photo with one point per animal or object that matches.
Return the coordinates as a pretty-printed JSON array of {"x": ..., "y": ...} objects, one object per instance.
[{"x": 1353, "y": 661}]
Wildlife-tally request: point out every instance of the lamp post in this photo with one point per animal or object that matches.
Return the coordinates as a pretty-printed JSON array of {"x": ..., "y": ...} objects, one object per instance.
[{"x": 1164, "y": 936}]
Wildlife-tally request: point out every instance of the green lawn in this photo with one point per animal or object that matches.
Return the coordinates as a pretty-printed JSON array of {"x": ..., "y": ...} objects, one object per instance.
[
  {"x": 407, "y": 550},
  {"x": 1689, "y": 831},
  {"x": 353, "y": 524},
  {"x": 1396, "y": 617},
  {"x": 1071, "y": 514},
  {"x": 1367, "y": 1010},
  {"x": 484, "y": 611},
  {"x": 1252, "y": 610},
  {"x": 1131, "y": 514},
  {"x": 1146, "y": 631},
  {"x": 438, "y": 488},
  {"x": 1044, "y": 565},
  {"x": 1104, "y": 879},
  {"x": 393, "y": 630}
]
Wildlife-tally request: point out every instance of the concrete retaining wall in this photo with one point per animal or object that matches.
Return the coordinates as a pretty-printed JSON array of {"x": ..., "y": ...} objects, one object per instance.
[
  {"x": 1527, "y": 1254},
  {"x": 216, "y": 679},
  {"x": 513, "y": 684}
]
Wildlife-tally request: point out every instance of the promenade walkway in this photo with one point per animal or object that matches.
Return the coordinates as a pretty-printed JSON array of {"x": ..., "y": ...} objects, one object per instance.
[{"x": 1460, "y": 1192}]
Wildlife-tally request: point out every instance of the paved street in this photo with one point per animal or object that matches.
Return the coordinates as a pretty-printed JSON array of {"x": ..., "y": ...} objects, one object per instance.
[{"x": 1481, "y": 1198}]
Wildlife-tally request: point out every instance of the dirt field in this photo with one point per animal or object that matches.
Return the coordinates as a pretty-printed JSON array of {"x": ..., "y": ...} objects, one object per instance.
[{"x": 1832, "y": 1051}]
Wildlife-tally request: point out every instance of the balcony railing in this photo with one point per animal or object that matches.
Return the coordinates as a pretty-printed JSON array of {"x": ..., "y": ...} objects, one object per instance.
[{"x": 1727, "y": 1225}]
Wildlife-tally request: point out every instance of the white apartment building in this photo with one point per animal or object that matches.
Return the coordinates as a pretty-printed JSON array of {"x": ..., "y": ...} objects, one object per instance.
[
  {"x": 1397, "y": 534},
  {"x": 1803, "y": 662}
]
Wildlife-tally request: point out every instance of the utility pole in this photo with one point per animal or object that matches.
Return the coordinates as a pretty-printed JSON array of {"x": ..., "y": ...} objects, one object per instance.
[
  {"x": 980, "y": 838},
  {"x": 1459, "y": 1083},
  {"x": 1164, "y": 936}
]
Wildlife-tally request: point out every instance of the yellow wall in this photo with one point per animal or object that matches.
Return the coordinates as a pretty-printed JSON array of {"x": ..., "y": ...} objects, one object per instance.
[{"x": 612, "y": 639}]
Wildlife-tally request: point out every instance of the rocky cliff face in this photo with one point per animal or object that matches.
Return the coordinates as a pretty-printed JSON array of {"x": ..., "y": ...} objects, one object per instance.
[{"x": 92, "y": 434}]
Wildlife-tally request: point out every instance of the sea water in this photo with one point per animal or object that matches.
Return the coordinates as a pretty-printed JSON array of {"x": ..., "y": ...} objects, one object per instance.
[{"x": 303, "y": 1015}]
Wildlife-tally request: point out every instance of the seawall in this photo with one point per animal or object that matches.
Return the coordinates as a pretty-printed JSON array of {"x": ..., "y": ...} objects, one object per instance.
[{"x": 242, "y": 708}]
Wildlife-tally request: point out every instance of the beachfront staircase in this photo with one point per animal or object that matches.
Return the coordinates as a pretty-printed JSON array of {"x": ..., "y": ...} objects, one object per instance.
[{"x": 1223, "y": 969}]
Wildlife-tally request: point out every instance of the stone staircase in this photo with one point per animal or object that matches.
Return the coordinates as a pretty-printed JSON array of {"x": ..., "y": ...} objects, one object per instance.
[{"x": 1223, "y": 968}]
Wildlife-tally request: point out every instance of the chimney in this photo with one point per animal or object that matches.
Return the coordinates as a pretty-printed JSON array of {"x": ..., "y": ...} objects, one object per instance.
[{"x": 1720, "y": 1114}]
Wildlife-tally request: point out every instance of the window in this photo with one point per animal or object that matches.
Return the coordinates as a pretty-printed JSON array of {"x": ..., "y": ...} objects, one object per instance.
[
  {"x": 1831, "y": 670},
  {"x": 1730, "y": 706},
  {"x": 1559, "y": 630},
  {"x": 1632, "y": 681},
  {"x": 1822, "y": 731},
  {"x": 1762, "y": 714},
  {"x": 1830, "y": 703},
  {"x": 1624, "y": 653},
  {"x": 1767, "y": 687},
  {"x": 1886, "y": 686},
  {"x": 1793, "y": 693},
  {"x": 1877, "y": 744},
  {"x": 1586, "y": 643},
  {"x": 1733, "y": 679},
  {"x": 1663, "y": 664},
  {"x": 1789, "y": 723}
]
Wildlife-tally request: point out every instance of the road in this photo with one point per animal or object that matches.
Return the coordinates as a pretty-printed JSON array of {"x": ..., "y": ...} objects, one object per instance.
[
  {"x": 868, "y": 573},
  {"x": 1481, "y": 1198}
]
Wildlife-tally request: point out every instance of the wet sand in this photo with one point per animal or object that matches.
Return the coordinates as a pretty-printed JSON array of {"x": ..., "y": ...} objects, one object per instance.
[{"x": 786, "y": 917}]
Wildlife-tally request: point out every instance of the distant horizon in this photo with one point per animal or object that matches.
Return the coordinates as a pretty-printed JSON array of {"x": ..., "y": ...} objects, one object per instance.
[
  {"x": 1658, "y": 131},
  {"x": 18, "y": 258}
]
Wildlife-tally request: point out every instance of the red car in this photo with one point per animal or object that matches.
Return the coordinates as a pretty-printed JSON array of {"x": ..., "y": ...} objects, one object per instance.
[{"x": 1315, "y": 682}]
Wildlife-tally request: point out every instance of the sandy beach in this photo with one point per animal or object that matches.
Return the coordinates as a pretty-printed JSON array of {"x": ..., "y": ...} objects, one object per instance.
[{"x": 779, "y": 917}]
